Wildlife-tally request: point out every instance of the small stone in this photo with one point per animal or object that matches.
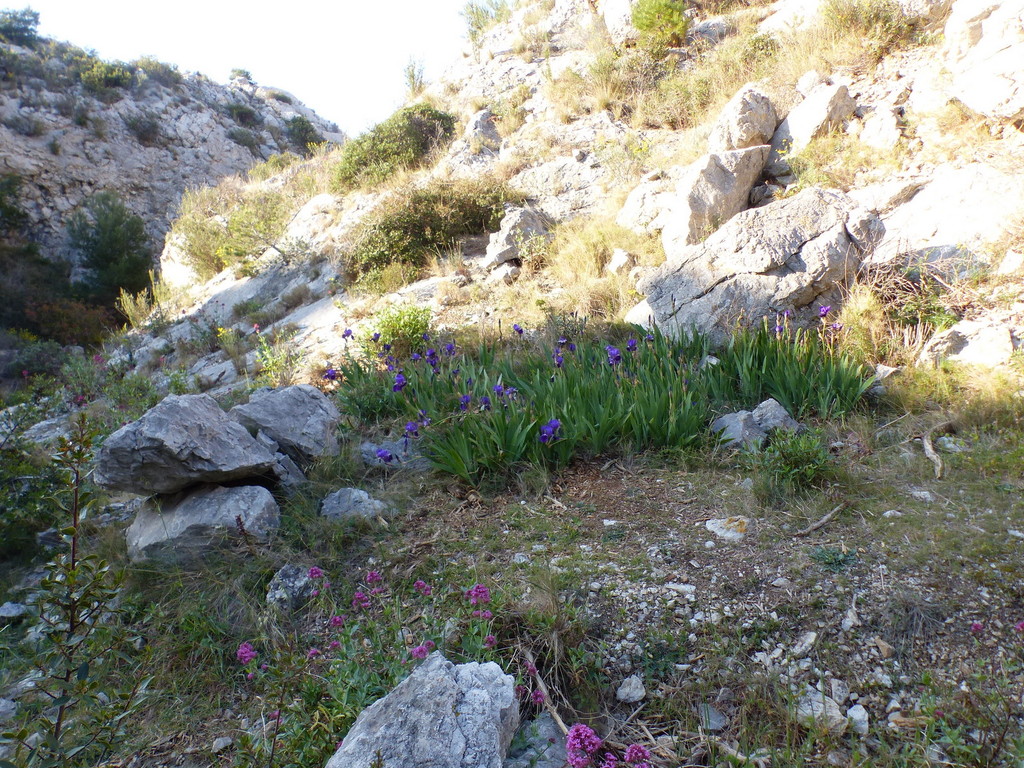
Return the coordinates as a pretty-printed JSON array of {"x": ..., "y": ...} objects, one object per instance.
[
  {"x": 290, "y": 587},
  {"x": 620, "y": 262},
  {"x": 923, "y": 495},
  {"x": 948, "y": 444},
  {"x": 729, "y": 528},
  {"x": 520, "y": 558},
  {"x": 815, "y": 708},
  {"x": 8, "y": 709},
  {"x": 222, "y": 743},
  {"x": 349, "y": 503},
  {"x": 892, "y": 513},
  {"x": 804, "y": 645},
  {"x": 782, "y": 583},
  {"x": 711, "y": 719},
  {"x": 840, "y": 690},
  {"x": 631, "y": 690},
  {"x": 13, "y": 612},
  {"x": 884, "y": 648},
  {"x": 857, "y": 716}
]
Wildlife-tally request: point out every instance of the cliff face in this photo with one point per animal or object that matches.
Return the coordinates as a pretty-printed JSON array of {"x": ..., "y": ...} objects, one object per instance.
[{"x": 72, "y": 126}]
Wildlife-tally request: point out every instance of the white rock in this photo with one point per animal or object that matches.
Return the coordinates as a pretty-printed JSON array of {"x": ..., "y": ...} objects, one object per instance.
[
  {"x": 972, "y": 342},
  {"x": 826, "y": 108},
  {"x": 729, "y": 528},
  {"x": 631, "y": 690},
  {"x": 814, "y": 709},
  {"x": 747, "y": 120},
  {"x": 621, "y": 261},
  {"x": 804, "y": 645},
  {"x": 222, "y": 743},
  {"x": 348, "y": 503},
  {"x": 1011, "y": 264},
  {"x": 859, "y": 720}
]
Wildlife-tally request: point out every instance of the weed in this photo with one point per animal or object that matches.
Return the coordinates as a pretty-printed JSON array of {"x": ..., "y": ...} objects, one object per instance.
[
  {"x": 832, "y": 559},
  {"x": 790, "y": 464}
]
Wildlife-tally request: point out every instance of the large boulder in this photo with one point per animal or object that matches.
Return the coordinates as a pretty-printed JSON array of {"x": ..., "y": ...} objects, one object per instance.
[
  {"x": 983, "y": 52},
  {"x": 985, "y": 342},
  {"x": 301, "y": 419},
  {"x": 645, "y": 207},
  {"x": 826, "y": 108},
  {"x": 517, "y": 227},
  {"x": 711, "y": 191},
  {"x": 183, "y": 440},
  {"x": 785, "y": 256},
  {"x": 441, "y": 716},
  {"x": 749, "y": 119},
  {"x": 180, "y": 527},
  {"x": 351, "y": 503},
  {"x": 618, "y": 20}
]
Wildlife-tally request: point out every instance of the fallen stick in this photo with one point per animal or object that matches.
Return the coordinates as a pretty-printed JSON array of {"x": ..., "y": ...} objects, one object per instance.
[
  {"x": 929, "y": 448},
  {"x": 548, "y": 705},
  {"x": 821, "y": 523}
]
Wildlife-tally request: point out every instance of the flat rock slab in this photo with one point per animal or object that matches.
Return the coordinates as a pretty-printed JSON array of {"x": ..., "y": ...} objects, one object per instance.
[
  {"x": 180, "y": 527},
  {"x": 182, "y": 441},
  {"x": 347, "y": 503},
  {"x": 441, "y": 716},
  {"x": 301, "y": 419}
]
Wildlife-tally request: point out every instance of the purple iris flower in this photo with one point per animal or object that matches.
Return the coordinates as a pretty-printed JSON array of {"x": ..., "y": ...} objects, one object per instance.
[
  {"x": 823, "y": 312},
  {"x": 449, "y": 349},
  {"x": 614, "y": 355},
  {"x": 347, "y": 334},
  {"x": 385, "y": 455},
  {"x": 375, "y": 337},
  {"x": 499, "y": 390},
  {"x": 416, "y": 356},
  {"x": 631, "y": 345},
  {"x": 517, "y": 328},
  {"x": 558, "y": 360},
  {"x": 412, "y": 429},
  {"x": 485, "y": 403},
  {"x": 549, "y": 431},
  {"x": 400, "y": 382},
  {"x": 464, "y": 402},
  {"x": 331, "y": 374}
]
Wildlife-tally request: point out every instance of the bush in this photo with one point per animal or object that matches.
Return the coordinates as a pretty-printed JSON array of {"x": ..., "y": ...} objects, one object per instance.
[
  {"x": 105, "y": 79},
  {"x": 37, "y": 358},
  {"x": 411, "y": 226},
  {"x": 303, "y": 134},
  {"x": 145, "y": 127},
  {"x": 25, "y": 125},
  {"x": 157, "y": 71},
  {"x": 790, "y": 463},
  {"x": 481, "y": 16},
  {"x": 243, "y": 114},
  {"x": 272, "y": 166},
  {"x": 883, "y": 24},
  {"x": 404, "y": 328},
  {"x": 19, "y": 27},
  {"x": 114, "y": 246},
  {"x": 237, "y": 73},
  {"x": 662, "y": 22},
  {"x": 71, "y": 322},
  {"x": 402, "y": 141},
  {"x": 12, "y": 216},
  {"x": 245, "y": 138}
]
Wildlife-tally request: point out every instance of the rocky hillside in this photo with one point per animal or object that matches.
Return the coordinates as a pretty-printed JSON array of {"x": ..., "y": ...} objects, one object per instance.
[
  {"x": 72, "y": 125},
  {"x": 648, "y": 391}
]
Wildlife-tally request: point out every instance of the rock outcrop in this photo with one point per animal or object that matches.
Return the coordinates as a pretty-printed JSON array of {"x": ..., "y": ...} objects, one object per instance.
[
  {"x": 300, "y": 419},
  {"x": 442, "y": 716},
  {"x": 784, "y": 256}
]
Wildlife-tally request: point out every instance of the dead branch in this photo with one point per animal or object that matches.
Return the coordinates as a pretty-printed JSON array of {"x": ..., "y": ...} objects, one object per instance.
[{"x": 822, "y": 522}]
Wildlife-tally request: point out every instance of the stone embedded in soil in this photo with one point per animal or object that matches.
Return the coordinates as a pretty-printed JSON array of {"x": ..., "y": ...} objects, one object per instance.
[
  {"x": 13, "y": 612},
  {"x": 858, "y": 718},
  {"x": 711, "y": 719},
  {"x": 290, "y": 587},
  {"x": 815, "y": 709},
  {"x": 631, "y": 690},
  {"x": 729, "y": 528},
  {"x": 348, "y": 503}
]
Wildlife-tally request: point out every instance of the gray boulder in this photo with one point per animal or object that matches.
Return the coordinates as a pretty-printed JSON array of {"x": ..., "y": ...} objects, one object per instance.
[
  {"x": 183, "y": 440},
  {"x": 974, "y": 342},
  {"x": 394, "y": 454},
  {"x": 290, "y": 587},
  {"x": 826, "y": 108},
  {"x": 645, "y": 207},
  {"x": 771, "y": 415},
  {"x": 348, "y": 503},
  {"x": 518, "y": 226},
  {"x": 301, "y": 419},
  {"x": 8, "y": 710},
  {"x": 12, "y": 612},
  {"x": 739, "y": 430},
  {"x": 177, "y": 528},
  {"x": 441, "y": 716},
  {"x": 785, "y": 256},
  {"x": 711, "y": 191},
  {"x": 539, "y": 744},
  {"x": 748, "y": 120}
]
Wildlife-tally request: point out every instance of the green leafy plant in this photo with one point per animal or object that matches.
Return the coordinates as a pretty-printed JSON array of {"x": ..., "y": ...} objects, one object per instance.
[
  {"x": 279, "y": 363},
  {"x": 20, "y": 27},
  {"x": 106, "y": 80},
  {"x": 405, "y": 328},
  {"x": 82, "y": 644},
  {"x": 145, "y": 127},
  {"x": 661, "y": 22},
  {"x": 303, "y": 134},
  {"x": 791, "y": 463},
  {"x": 158, "y": 71},
  {"x": 402, "y": 141},
  {"x": 113, "y": 244},
  {"x": 481, "y": 15}
]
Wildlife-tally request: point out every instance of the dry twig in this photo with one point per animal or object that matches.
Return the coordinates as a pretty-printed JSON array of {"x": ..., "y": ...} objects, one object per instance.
[{"x": 821, "y": 523}]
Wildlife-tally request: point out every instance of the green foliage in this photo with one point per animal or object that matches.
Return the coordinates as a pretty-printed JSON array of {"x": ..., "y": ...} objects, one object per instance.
[
  {"x": 402, "y": 141},
  {"x": 832, "y": 559},
  {"x": 157, "y": 71},
  {"x": 25, "y": 125},
  {"x": 791, "y": 463},
  {"x": 662, "y": 22},
  {"x": 481, "y": 15},
  {"x": 19, "y": 27},
  {"x": 245, "y": 138},
  {"x": 303, "y": 134},
  {"x": 272, "y": 166},
  {"x": 278, "y": 362},
  {"x": 105, "y": 79},
  {"x": 404, "y": 327},
  {"x": 243, "y": 114},
  {"x": 12, "y": 216},
  {"x": 145, "y": 127},
  {"x": 415, "y": 80},
  {"x": 413, "y": 225},
  {"x": 114, "y": 246},
  {"x": 883, "y": 24},
  {"x": 83, "y": 642},
  {"x": 236, "y": 73}
]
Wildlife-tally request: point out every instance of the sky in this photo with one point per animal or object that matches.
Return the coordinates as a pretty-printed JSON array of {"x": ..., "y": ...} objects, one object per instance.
[{"x": 343, "y": 58}]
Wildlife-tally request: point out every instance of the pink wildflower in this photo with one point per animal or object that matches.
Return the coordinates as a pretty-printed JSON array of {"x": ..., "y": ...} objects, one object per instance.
[
  {"x": 637, "y": 755},
  {"x": 490, "y": 641},
  {"x": 422, "y": 587},
  {"x": 312, "y": 653},
  {"x": 245, "y": 653},
  {"x": 581, "y": 744},
  {"x": 373, "y": 577},
  {"x": 316, "y": 573},
  {"x": 537, "y": 697},
  {"x": 977, "y": 627},
  {"x": 419, "y": 652},
  {"x": 334, "y": 645},
  {"x": 478, "y": 594},
  {"x": 1019, "y": 626},
  {"x": 337, "y": 621},
  {"x": 360, "y": 600}
]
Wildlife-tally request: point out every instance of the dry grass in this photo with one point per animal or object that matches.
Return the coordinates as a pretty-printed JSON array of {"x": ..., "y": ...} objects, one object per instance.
[{"x": 842, "y": 161}]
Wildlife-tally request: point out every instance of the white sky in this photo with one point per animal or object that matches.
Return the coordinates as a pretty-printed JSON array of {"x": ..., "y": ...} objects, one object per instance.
[{"x": 343, "y": 58}]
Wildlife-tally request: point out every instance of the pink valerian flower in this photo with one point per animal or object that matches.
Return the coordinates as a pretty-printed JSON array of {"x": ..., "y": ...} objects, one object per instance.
[
  {"x": 537, "y": 697},
  {"x": 638, "y": 755},
  {"x": 312, "y": 653},
  {"x": 275, "y": 715},
  {"x": 478, "y": 594},
  {"x": 337, "y": 621},
  {"x": 482, "y": 614},
  {"x": 245, "y": 653},
  {"x": 360, "y": 600},
  {"x": 250, "y": 676},
  {"x": 581, "y": 745},
  {"x": 1019, "y": 626},
  {"x": 430, "y": 645},
  {"x": 419, "y": 652},
  {"x": 490, "y": 641},
  {"x": 377, "y": 591},
  {"x": 977, "y": 627},
  {"x": 422, "y": 587},
  {"x": 334, "y": 645},
  {"x": 521, "y": 691},
  {"x": 610, "y": 761},
  {"x": 531, "y": 668},
  {"x": 316, "y": 573},
  {"x": 374, "y": 577},
  {"x": 316, "y": 593}
]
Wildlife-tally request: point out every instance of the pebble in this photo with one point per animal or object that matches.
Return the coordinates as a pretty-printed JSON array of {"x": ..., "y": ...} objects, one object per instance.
[
  {"x": 892, "y": 513},
  {"x": 520, "y": 558},
  {"x": 631, "y": 690},
  {"x": 13, "y": 611},
  {"x": 221, "y": 743}
]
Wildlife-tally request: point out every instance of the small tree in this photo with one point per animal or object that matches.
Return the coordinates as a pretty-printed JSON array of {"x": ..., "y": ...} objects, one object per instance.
[
  {"x": 303, "y": 134},
  {"x": 19, "y": 27},
  {"x": 114, "y": 246},
  {"x": 662, "y": 22}
]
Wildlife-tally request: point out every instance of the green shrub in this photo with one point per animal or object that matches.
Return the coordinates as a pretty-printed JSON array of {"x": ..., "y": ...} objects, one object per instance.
[
  {"x": 284, "y": 98},
  {"x": 883, "y": 24},
  {"x": 405, "y": 328},
  {"x": 105, "y": 79},
  {"x": 272, "y": 166},
  {"x": 243, "y": 114},
  {"x": 245, "y": 138},
  {"x": 25, "y": 125},
  {"x": 236, "y": 73},
  {"x": 303, "y": 134},
  {"x": 662, "y": 22},
  {"x": 791, "y": 463},
  {"x": 157, "y": 71},
  {"x": 114, "y": 247},
  {"x": 19, "y": 27},
  {"x": 37, "y": 358},
  {"x": 411, "y": 226},
  {"x": 402, "y": 141},
  {"x": 12, "y": 216},
  {"x": 145, "y": 127},
  {"x": 481, "y": 15}
]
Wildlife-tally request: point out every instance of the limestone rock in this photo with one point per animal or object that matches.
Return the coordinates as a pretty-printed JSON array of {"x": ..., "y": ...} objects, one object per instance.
[
  {"x": 539, "y": 744},
  {"x": 881, "y": 129},
  {"x": 620, "y": 262},
  {"x": 631, "y": 690},
  {"x": 771, "y": 415},
  {"x": 784, "y": 256},
  {"x": 301, "y": 419},
  {"x": 182, "y": 526},
  {"x": 11, "y": 612},
  {"x": 859, "y": 721},
  {"x": 1011, "y": 264},
  {"x": 348, "y": 503},
  {"x": 815, "y": 709},
  {"x": 711, "y": 191},
  {"x": 183, "y": 440},
  {"x": 290, "y": 587},
  {"x": 826, "y": 108},
  {"x": 973, "y": 342},
  {"x": 618, "y": 20},
  {"x": 8, "y": 709},
  {"x": 790, "y": 16},
  {"x": 645, "y": 207},
  {"x": 739, "y": 430},
  {"x": 748, "y": 120},
  {"x": 518, "y": 226},
  {"x": 729, "y": 528},
  {"x": 984, "y": 47},
  {"x": 442, "y": 716}
]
